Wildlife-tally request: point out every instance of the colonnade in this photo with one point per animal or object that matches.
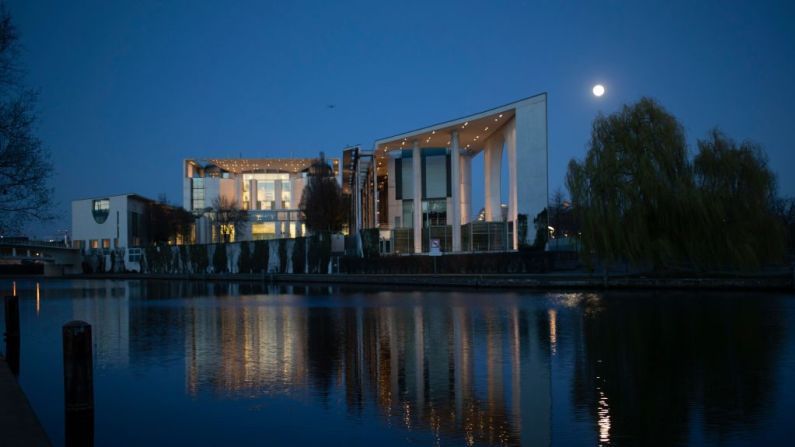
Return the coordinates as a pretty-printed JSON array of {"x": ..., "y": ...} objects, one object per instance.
[{"x": 461, "y": 180}]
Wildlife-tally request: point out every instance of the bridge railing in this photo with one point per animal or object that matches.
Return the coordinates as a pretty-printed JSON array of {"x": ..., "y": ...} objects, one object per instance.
[{"x": 31, "y": 243}]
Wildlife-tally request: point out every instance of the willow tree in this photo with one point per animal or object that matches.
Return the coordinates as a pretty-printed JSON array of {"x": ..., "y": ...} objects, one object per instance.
[
  {"x": 633, "y": 191},
  {"x": 639, "y": 199},
  {"x": 738, "y": 195}
]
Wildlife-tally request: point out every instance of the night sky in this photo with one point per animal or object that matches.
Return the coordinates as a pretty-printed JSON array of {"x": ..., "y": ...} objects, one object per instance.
[{"x": 130, "y": 88}]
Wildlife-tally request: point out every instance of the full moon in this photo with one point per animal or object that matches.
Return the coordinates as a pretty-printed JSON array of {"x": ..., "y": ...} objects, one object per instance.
[{"x": 598, "y": 90}]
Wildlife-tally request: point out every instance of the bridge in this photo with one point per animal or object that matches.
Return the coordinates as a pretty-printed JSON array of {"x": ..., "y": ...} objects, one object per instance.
[{"x": 57, "y": 258}]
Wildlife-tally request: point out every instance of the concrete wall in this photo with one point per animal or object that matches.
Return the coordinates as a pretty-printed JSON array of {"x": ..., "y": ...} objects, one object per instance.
[
  {"x": 232, "y": 256},
  {"x": 530, "y": 167}
]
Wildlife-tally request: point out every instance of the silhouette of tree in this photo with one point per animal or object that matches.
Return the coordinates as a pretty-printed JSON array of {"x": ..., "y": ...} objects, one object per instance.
[
  {"x": 321, "y": 201},
  {"x": 639, "y": 198},
  {"x": 25, "y": 167},
  {"x": 738, "y": 196},
  {"x": 229, "y": 220},
  {"x": 168, "y": 223}
]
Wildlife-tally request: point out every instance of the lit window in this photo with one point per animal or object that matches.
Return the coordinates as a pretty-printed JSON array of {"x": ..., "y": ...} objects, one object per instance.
[{"x": 100, "y": 209}]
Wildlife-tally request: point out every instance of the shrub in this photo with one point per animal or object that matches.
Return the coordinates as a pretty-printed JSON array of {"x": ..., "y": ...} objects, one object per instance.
[
  {"x": 282, "y": 255},
  {"x": 259, "y": 260},
  {"x": 220, "y": 259},
  {"x": 244, "y": 261},
  {"x": 370, "y": 238},
  {"x": 299, "y": 255}
]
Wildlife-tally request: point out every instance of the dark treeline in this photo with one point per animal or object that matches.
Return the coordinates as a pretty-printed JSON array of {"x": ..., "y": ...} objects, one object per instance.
[{"x": 641, "y": 199}]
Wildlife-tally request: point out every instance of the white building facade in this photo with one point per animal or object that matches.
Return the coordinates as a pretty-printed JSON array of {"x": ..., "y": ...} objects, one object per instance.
[{"x": 416, "y": 186}]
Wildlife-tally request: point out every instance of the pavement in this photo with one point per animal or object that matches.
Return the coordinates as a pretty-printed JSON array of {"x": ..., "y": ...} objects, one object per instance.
[{"x": 19, "y": 426}]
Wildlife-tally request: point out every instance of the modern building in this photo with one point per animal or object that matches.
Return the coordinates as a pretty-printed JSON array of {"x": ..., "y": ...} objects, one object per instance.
[
  {"x": 119, "y": 223},
  {"x": 109, "y": 222},
  {"x": 415, "y": 187},
  {"x": 269, "y": 189}
]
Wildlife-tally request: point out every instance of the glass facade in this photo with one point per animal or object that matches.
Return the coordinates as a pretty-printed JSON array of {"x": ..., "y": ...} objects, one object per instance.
[
  {"x": 263, "y": 230},
  {"x": 434, "y": 212},
  {"x": 435, "y": 176},
  {"x": 197, "y": 194},
  {"x": 267, "y": 185},
  {"x": 408, "y": 214}
]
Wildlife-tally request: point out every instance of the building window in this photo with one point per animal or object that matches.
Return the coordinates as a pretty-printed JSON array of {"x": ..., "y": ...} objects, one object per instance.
[
  {"x": 406, "y": 178},
  {"x": 435, "y": 176},
  {"x": 105, "y": 243},
  {"x": 286, "y": 194},
  {"x": 266, "y": 194},
  {"x": 197, "y": 194},
  {"x": 134, "y": 255},
  {"x": 100, "y": 209},
  {"x": 136, "y": 227},
  {"x": 434, "y": 212},
  {"x": 264, "y": 230},
  {"x": 408, "y": 214},
  {"x": 94, "y": 243}
]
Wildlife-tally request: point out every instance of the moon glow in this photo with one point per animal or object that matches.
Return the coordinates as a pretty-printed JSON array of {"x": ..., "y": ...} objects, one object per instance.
[{"x": 598, "y": 90}]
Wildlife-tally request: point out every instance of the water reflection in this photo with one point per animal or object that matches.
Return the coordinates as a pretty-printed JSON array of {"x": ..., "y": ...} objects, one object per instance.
[
  {"x": 455, "y": 368},
  {"x": 649, "y": 366},
  {"x": 423, "y": 367}
]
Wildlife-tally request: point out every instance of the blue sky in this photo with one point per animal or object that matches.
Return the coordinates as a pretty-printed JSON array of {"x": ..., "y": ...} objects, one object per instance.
[{"x": 130, "y": 88}]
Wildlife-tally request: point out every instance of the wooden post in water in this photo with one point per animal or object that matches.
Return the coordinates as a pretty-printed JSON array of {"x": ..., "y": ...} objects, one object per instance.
[
  {"x": 78, "y": 379},
  {"x": 11, "y": 306}
]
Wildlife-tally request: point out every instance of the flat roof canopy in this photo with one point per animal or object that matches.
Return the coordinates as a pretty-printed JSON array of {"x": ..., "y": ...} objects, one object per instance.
[
  {"x": 473, "y": 130},
  {"x": 246, "y": 165}
]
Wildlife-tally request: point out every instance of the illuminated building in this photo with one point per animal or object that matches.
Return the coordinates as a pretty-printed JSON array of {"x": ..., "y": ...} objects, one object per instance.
[
  {"x": 269, "y": 189},
  {"x": 416, "y": 186}
]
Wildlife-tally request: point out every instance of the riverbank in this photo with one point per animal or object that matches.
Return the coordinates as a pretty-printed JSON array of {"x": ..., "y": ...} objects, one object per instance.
[
  {"x": 19, "y": 426},
  {"x": 764, "y": 281}
]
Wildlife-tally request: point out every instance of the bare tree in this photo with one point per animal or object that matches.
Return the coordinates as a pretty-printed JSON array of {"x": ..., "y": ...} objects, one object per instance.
[
  {"x": 228, "y": 219},
  {"x": 25, "y": 167}
]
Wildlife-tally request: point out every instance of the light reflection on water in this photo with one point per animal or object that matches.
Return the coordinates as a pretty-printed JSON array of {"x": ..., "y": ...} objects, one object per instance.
[{"x": 246, "y": 362}]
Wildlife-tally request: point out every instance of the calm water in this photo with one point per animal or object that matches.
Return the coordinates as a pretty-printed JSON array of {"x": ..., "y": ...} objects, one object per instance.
[{"x": 225, "y": 364}]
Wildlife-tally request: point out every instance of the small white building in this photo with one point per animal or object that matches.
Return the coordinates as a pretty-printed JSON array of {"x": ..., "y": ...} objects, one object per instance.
[{"x": 103, "y": 224}]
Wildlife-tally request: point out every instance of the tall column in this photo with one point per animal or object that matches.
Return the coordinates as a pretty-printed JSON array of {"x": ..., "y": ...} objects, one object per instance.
[
  {"x": 357, "y": 199},
  {"x": 252, "y": 194},
  {"x": 513, "y": 202},
  {"x": 455, "y": 183},
  {"x": 416, "y": 172},
  {"x": 277, "y": 195},
  {"x": 375, "y": 192},
  {"x": 492, "y": 171},
  {"x": 466, "y": 188}
]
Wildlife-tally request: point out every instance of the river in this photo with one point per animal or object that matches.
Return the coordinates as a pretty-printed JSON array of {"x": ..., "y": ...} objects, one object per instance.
[{"x": 184, "y": 363}]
